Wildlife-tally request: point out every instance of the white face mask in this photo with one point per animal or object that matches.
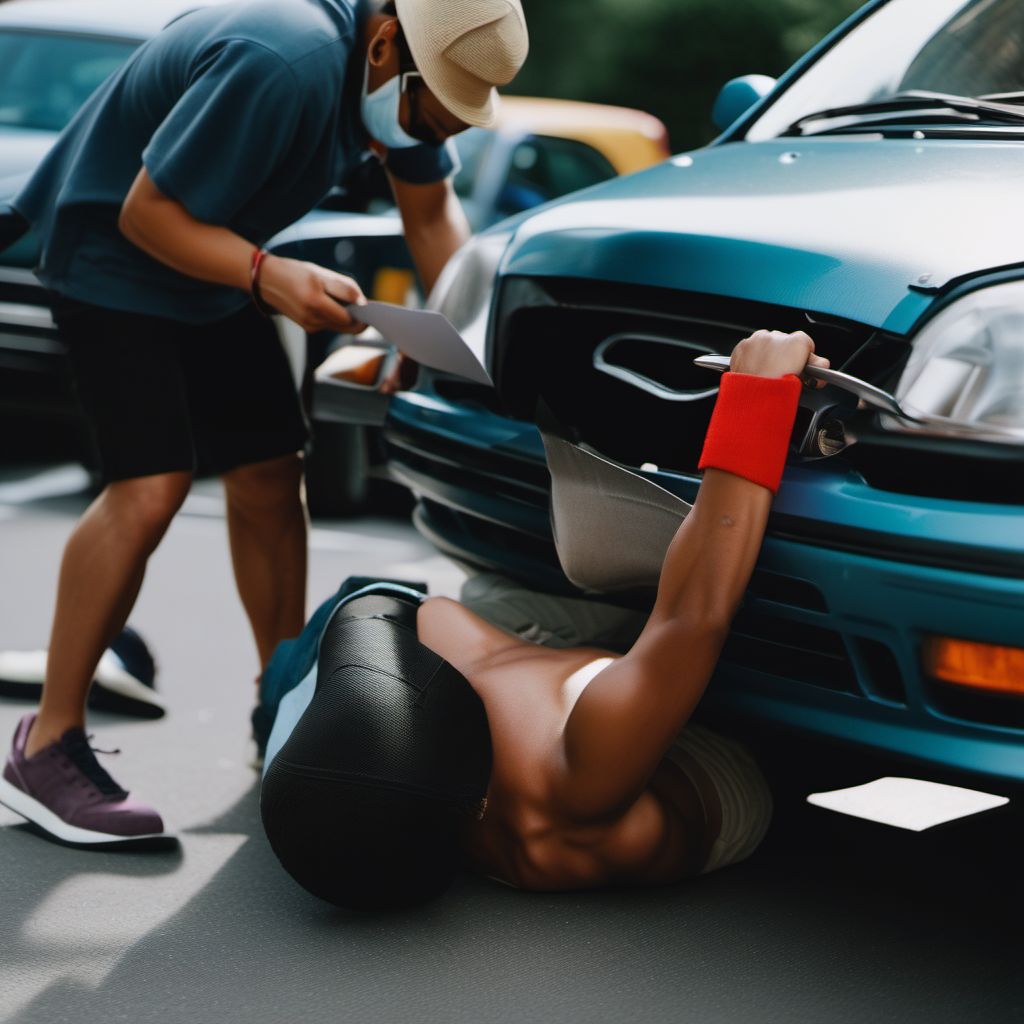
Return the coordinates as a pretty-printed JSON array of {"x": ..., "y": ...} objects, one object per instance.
[{"x": 379, "y": 110}]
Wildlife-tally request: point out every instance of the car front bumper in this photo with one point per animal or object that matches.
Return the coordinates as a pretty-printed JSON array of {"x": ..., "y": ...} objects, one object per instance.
[{"x": 850, "y": 581}]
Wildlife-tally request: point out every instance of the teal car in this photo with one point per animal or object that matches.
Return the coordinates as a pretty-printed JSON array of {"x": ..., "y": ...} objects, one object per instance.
[{"x": 871, "y": 196}]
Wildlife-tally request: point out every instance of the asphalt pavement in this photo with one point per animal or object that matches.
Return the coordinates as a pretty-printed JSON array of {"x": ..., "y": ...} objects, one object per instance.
[{"x": 833, "y": 920}]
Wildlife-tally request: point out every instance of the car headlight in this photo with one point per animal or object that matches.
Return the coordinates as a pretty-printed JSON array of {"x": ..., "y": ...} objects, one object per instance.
[
  {"x": 465, "y": 287},
  {"x": 965, "y": 375}
]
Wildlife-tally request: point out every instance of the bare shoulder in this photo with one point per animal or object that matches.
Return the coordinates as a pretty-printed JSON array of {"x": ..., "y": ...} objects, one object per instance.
[{"x": 459, "y": 635}]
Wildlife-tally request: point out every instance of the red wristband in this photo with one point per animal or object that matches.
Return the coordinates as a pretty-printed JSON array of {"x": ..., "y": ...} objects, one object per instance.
[
  {"x": 751, "y": 426},
  {"x": 254, "y": 283}
]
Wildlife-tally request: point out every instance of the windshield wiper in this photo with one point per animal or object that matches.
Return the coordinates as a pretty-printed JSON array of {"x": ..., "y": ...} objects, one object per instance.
[{"x": 904, "y": 104}]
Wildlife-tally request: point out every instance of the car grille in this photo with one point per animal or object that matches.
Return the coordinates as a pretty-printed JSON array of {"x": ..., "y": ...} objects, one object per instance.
[
  {"x": 34, "y": 383},
  {"x": 549, "y": 330},
  {"x": 782, "y": 647},
  {"x": 782, "y": 630}
]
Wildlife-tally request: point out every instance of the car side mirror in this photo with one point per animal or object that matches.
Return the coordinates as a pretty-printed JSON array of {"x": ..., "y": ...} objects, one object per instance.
[{"x": 737, "y": 96}]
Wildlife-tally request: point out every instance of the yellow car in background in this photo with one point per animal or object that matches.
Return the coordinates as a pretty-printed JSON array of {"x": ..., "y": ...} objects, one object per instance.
[
  {"x": 538, "y": 150},
  {"x": 629, "y": 139},
  {"x": 542, "y": 149}
]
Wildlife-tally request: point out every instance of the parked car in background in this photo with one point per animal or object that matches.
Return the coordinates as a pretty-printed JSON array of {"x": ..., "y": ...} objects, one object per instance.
[
  {"x": 541, "y": 149},
  {"x": 54, "y": 53},
  {"x": 538, "y": 150},
  {"x": 871, "y": 197}
]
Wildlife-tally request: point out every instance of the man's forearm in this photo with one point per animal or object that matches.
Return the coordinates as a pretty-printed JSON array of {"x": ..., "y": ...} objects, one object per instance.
[
  {"x": 434, "y": 224},
  {"x": 710, "y": 560},
  {"x": 618, "y": 730},
  {"x": 712, "y": 556},
  {"x": 165, "y": 230},
  {"x": 624, "y": 720},
  {"x": 312, "y": 296},
  {"x": 433, "y": 244}
]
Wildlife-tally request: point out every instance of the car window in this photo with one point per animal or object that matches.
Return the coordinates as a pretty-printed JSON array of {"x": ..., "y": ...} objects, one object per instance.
[
  {"x": 974, "y": 49},
  {"x": 45, "y": 78},
  {"x": 471, "y": 144},
  {"x": 978, "y": 53},
  {"x": 544, "y": 168}
]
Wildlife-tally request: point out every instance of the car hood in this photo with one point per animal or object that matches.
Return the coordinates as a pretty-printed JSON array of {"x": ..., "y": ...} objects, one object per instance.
[{"x": 865, "y": 229}]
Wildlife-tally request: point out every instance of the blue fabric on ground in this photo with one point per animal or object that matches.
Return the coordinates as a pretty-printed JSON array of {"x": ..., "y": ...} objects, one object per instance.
[{"x": 290, "y": 709}]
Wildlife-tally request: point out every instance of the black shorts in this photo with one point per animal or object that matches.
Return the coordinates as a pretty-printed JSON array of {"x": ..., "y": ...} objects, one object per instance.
[{"x": 163, "y": 396}]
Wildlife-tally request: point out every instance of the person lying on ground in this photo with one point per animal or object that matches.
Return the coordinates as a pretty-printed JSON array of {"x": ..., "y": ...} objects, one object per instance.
[{"x": 423, "y": 737}]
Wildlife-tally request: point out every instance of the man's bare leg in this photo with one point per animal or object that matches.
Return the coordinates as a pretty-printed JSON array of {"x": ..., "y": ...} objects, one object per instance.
[
  {"x": 100, "y": 576},
  {"x": 267, "y": 530}
]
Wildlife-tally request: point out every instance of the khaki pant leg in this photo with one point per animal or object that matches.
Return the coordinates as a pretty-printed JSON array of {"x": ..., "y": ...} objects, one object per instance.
[{"x": 549, "y": 619}]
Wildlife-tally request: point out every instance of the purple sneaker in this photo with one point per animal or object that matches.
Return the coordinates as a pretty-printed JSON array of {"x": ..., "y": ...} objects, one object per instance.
[{"x": 64, "y": 791}]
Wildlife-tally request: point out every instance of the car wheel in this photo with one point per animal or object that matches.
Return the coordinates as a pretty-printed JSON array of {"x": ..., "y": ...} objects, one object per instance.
[{"x": 337, "y": 470}]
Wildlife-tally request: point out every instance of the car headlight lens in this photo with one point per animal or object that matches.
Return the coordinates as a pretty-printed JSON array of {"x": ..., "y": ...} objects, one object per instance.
[
  {"x": 966, "y": 372},
  {"x": 464, "y": 288}
]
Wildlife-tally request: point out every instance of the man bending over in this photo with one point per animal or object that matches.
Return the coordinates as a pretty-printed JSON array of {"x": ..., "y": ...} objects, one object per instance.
[{"x": 423, "y": 736}]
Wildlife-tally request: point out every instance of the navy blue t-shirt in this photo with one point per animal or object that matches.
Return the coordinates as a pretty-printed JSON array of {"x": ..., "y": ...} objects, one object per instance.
[{"x": 245, "y": 113}]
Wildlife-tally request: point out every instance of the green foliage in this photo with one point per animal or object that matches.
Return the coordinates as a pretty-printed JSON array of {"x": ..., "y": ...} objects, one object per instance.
[{"x": 667, "y": 56}]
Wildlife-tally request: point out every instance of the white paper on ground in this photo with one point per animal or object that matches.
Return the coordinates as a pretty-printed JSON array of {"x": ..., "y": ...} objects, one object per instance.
[
  {"x": 424, "y": 335},
  {"x": 912, "y": 804}
]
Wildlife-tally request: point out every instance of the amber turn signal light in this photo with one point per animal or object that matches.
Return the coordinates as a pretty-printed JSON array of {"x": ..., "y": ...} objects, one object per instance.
[{"x": 988, "y": 667}]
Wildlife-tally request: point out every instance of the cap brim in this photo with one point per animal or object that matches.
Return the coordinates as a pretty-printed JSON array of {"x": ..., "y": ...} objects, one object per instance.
[
  {"x": 470, "y": 99},
  {"x": 478, "y": 117}
]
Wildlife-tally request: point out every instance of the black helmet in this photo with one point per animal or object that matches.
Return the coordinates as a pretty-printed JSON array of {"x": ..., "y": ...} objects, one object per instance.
[{"x": 364, "y": 802}]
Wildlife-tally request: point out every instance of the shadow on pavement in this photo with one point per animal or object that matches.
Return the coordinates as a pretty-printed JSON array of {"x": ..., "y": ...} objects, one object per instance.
[
  {"x": 830, "y": 921},
  {"x": 54, "y": 869}
]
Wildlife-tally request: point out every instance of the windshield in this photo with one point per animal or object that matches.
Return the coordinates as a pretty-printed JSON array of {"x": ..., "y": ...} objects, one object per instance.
[
  {"x": 45, "y": 78},
  {"x": 945, "y": 46}
]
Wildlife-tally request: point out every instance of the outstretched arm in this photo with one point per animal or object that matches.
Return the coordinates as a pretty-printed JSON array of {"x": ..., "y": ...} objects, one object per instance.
[{"x": 627, "y": 716}]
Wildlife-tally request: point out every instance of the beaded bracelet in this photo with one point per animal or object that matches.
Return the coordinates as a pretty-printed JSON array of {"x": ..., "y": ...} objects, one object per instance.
[{"x": 264, "y": 307}]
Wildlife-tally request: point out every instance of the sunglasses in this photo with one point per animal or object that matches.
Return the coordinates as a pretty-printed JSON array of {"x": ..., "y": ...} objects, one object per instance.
[{"x": 410, "y": 81}]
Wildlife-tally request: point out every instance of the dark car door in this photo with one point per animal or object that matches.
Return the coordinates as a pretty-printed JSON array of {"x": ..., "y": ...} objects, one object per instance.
[{"x": 543, "y": 167}]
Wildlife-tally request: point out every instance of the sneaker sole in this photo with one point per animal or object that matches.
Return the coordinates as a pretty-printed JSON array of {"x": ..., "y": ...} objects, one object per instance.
[
  {"x": 113, "y": 689},
  {"x": 41, "y": 816}
]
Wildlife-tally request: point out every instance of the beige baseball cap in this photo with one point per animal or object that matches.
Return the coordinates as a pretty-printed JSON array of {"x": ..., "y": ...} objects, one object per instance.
[{"x": 464, "y": 48}]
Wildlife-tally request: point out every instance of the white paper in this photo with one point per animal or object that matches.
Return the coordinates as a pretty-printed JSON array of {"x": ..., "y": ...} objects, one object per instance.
[
  {"x": 424, "y": 335},
  {"x": 912, "y": 804}
]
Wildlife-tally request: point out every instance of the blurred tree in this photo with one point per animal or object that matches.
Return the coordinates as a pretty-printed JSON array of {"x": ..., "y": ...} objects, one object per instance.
[{"x": 667, "y": 56}]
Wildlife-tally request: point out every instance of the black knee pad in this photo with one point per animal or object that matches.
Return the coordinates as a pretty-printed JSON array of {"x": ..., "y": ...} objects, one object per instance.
[{"x": 364, "y": 802}]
